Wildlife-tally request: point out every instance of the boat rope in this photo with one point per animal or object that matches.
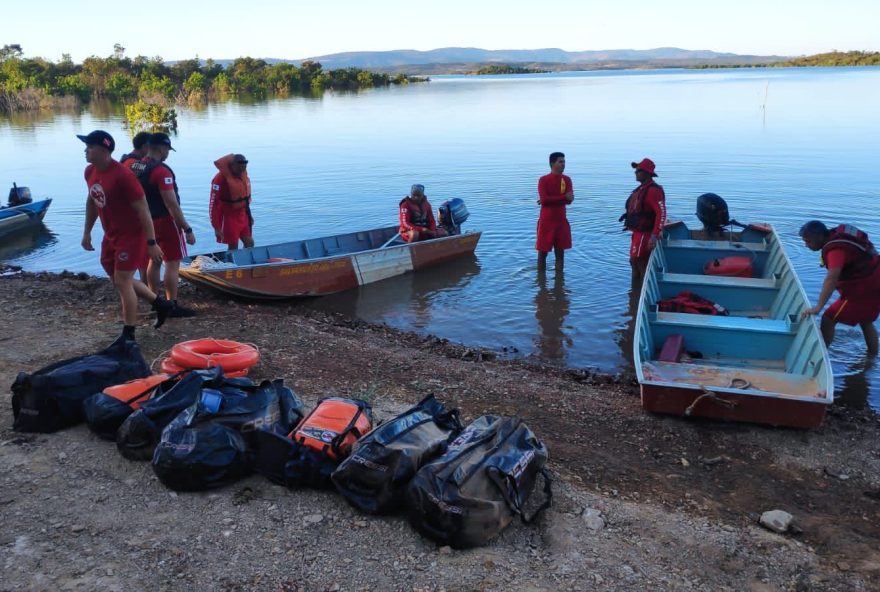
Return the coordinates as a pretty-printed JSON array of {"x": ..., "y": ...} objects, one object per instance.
[{"x": 707, "y": 394}]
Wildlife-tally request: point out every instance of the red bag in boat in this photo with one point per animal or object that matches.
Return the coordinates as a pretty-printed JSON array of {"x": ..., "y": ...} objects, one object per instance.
[{"x": 735, "y": 266}]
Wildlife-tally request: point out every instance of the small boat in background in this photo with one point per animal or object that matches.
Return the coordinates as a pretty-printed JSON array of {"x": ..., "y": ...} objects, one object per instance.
[
  {"x": 754, "y": 360},
  {"x": 21, "y": 212},
  {"x": 319, "y": 266}
]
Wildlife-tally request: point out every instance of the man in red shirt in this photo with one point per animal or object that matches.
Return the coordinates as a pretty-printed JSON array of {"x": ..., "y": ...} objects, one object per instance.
[
  {"x": 854, "y": 271},
  {"x": 173, "y": 232},
  {"x": 116, "y": 197},
  {"x": 139, "y": 142},
  {"x": 417, "y": 220},
  {"x": 230, "y": 205},
  {"x": 645, "y": 216},
  {"x": 555, "y": 192}
]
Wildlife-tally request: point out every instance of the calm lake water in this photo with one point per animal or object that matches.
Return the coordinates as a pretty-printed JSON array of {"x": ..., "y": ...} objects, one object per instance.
[{"x": 780, "y": 145}]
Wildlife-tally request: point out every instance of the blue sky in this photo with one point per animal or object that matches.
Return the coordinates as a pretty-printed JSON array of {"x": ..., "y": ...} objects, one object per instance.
[{"x": 296, "y": 29}]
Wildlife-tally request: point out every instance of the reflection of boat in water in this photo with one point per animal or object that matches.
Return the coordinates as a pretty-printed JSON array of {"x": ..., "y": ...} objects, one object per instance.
[
  {"x": 21, "y": 213},
  {"x": 21, "y": 243},
  {"x": 760, "y": 362},
  {"x": 325, "y": 265},
  {"x": 407, "y": 298},
  {"x": 551, "y": 309}
]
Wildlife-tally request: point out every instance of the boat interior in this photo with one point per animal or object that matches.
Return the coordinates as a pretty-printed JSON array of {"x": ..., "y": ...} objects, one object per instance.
[
  {"x": 760, "y": 345},
  {"x": 315, "y": 248}
]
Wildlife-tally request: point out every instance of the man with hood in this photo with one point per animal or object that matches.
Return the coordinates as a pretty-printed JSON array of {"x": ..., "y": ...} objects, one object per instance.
[{"x": 230, "y": 202}]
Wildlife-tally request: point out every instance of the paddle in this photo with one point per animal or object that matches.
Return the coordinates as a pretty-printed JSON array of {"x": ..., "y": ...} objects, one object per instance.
[{"x": 390, "y": 240}]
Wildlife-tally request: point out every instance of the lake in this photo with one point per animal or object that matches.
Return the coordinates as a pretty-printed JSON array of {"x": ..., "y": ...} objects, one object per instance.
[{"x": 780, "y": 145}]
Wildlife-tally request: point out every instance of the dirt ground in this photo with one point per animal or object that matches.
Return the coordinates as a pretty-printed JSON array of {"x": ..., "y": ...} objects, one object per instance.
[{"x": 641, "y": 502}]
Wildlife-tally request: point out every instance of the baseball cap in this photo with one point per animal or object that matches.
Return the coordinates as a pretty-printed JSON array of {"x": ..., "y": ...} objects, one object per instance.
[
  {"x": 160, "y": 139},
  {"x": 99, "y": 138},
  {"x": 646, "y": 165}
]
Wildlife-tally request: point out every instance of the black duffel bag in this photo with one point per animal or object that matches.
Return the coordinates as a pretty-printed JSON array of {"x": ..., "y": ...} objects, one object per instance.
[
  {"x": 105, "y": 411},
  {"x": 480, "y": 484},
  {"x": 138, "y": 435},
  {"x": 375, "y": 476},
  {"x": 212, "y": 442},
  {"x": 52, "y": 398}
]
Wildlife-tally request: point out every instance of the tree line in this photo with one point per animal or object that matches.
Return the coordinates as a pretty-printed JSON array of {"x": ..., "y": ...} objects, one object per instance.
[
  {"x": 831, "y": 58},
  {"x": 35, "y": 83}
]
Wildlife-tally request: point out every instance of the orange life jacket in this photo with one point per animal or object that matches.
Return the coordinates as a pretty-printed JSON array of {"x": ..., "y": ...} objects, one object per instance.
[{"x": 239, "y": 187}]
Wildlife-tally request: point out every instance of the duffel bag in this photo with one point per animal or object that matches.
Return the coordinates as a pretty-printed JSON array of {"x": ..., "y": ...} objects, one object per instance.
[
  {"x": 138, "y": 435},
  {"x": 52, "y": 398},
  {"x": 105, "y": 411},
  {"x": 374, "y": 477},
  {"x": 480, "y": 484},
  {"x": 212, "y": 442}
]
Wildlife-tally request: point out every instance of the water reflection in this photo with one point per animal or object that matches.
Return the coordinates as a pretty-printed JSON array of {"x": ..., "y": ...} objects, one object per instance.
[
  {"x": 854, "y": 387},
  {"x": 412, "y": 301},
  {"x": 552, "y": 306},
  {"x": 625, "y": 335},
  {"x": 25, "y": 242}
]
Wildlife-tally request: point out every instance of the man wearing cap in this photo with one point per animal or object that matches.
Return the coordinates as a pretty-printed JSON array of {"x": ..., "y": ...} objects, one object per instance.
[
  {"x": 854, "y": 271},
  {"x": 555, "y": 192},
  {"x": 116, "y": 197},
  {"x": 417, "y": 222},
  {"x": 645, "y": 217},
  {"x": 173, "y": 232},
  {"x": 139, "y": 142},
  {"x": 230, "y": 204}
]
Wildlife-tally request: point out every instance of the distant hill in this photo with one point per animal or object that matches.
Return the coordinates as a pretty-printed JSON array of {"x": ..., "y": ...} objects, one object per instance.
[{"x": 428, "y": 61}]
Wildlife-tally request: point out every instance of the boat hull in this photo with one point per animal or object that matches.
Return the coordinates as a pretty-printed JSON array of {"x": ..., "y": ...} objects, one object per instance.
[
  {"x": 21, "y": 217},
  {"x": 327, "y": 275},
  {"x": 756, "y": 362}
]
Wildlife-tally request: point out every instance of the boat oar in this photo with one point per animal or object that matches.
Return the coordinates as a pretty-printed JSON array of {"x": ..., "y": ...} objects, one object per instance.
[{"x": 390, "y": 240}]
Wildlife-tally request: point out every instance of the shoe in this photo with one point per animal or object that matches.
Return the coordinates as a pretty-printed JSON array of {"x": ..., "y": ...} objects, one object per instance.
[
  {"x": 179, "y": 312},
  {"x": 163, "y": 309}
]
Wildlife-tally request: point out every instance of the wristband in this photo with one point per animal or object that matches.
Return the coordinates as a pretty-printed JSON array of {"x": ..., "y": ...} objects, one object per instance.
[
  {"x": 187, "y": 230},
  {"x": 151, "y": 242}
]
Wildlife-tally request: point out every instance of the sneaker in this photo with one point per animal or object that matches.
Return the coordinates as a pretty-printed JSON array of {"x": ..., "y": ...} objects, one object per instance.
[
  {"x": 163, "y": 310},
  {"x": 179, "y": 312}
]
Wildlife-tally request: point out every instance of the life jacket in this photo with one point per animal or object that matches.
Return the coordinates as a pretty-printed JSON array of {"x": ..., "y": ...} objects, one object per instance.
[
  {"x": 418, "y": 213},
  {"x": 850, "y": 238},
  {"x": 637, "y": 216},
  {"x": 239, "y": 187},
  {"x": 142, "y": 169},
  {"x": 688, "y": 302}
]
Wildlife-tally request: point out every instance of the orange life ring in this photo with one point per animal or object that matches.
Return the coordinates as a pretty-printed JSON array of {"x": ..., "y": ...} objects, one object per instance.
[
  {"x": 206, "y": 353},
  {"x": 168, "y": 366}
]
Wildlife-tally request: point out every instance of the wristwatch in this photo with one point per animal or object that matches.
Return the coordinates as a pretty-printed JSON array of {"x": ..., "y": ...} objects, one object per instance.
[
  {"x": 151, "y": 242},
  {"x": 187, "y": 230}
]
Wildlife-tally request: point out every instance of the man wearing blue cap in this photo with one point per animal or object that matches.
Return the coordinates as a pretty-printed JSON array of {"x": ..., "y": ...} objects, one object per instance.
[{"x": 116, "y": 197}]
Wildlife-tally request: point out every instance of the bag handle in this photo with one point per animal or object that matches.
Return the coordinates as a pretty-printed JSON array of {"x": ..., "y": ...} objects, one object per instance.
[{"x": 500, "y": 478}]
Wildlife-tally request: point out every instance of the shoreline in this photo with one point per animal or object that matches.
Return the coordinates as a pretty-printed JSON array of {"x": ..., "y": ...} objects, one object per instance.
[{"x": 678, "y": 498}]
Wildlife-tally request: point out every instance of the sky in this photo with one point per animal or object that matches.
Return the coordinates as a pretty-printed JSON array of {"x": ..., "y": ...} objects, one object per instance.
[{"x": 297, "y": 29}]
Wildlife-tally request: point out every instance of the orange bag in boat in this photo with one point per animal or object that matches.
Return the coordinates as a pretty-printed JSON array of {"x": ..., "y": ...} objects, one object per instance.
[
  {"x": 735, "y": 266},
  {"x": 334, "y": 426}
]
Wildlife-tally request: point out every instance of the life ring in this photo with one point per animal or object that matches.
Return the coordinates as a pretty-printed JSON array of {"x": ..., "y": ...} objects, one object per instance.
[
  {"x": 168, "y": 366},
  {"x": 206, "y": 353}
]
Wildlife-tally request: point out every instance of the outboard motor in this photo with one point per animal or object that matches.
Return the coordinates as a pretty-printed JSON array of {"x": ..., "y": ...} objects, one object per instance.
[
  {"x": 19, "y": 195},
  {"x": 453, "y": 214},
  {"x": 712, "y": 212}
]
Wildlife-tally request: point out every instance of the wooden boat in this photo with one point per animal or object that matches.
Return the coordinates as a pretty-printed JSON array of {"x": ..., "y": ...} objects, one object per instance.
[
  {"x": 760, "y": 364},
  {"x": 319, "y": 266},
  {"x": 19, "y": 217}
]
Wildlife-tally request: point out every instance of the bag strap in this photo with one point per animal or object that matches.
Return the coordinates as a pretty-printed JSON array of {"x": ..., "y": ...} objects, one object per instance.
[
  {"x": 138, "y": 396},
  {"x": 499, "y": 479},
  {"x": 351, "y": 428}
]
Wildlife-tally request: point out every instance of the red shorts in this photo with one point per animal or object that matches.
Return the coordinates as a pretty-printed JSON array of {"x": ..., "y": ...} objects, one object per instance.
[
  {"x": 170, "y": 238},
  {"x": 123, "y": 253},
  {"x": 853, "y": 312},
  {"x": 640, "y": 245},
  {"x": 235, "y": 226},
  {"x": 555, "y": 234}
]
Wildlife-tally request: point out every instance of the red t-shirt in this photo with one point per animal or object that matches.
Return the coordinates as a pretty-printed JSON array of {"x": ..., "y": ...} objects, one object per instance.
[
  {"x": 112, "y": 191},
  {"x": 162, "y": 178},
  {"x": 551, "y": 193}
]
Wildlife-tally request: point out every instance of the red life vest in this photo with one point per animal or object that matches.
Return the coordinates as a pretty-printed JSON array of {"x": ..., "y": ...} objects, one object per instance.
[
  {"x": 853, "y": 240},
  {"x": 689, "y": 302},
  {"x": 637, "y": 216}
]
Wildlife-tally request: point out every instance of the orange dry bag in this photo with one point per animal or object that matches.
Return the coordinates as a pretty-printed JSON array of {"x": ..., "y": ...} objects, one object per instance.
[{"x": 334, "y": 426}]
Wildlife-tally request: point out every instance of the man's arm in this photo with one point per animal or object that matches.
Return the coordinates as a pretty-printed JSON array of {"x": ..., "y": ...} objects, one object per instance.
[
  {"x": 828, "y": 287},
  {"x": 657, "y": 202},
  {"x": 215, "y": 209},
  {"x": 91, "y": 216},
  {"x": 546, "y": 198},
  {"x": 169, "y": 197}
]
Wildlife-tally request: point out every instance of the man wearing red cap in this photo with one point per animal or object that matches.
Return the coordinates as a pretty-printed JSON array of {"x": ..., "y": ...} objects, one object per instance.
[
  {"x": 117, "y": 198},
  {"x": 645, "y": 216},
  {"x": 555, "y": 191}
]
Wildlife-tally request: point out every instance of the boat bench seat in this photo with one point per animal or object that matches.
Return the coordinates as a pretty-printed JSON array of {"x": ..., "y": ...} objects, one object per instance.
[
  {"x": 758, "y": 325},
  {"x": 744, "y": 380},
  {"x": 717, "y": 280}
]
